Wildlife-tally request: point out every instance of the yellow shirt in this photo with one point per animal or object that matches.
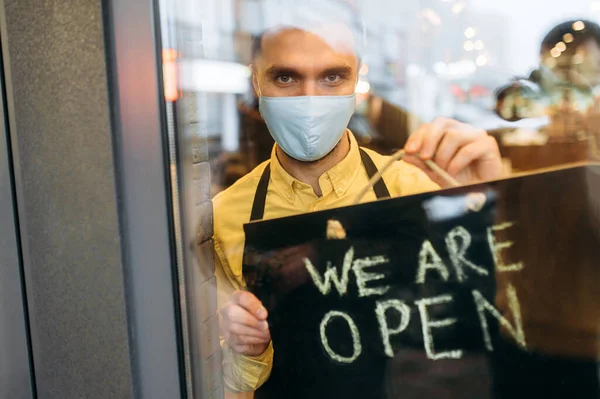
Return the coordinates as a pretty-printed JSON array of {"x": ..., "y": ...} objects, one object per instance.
[{"x": 287, "y": 196}]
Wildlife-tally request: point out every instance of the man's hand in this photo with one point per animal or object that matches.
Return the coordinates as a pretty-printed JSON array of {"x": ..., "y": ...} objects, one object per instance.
[
  {"x": 244, "y": 324},
  {"x": 466, "y": 153}
]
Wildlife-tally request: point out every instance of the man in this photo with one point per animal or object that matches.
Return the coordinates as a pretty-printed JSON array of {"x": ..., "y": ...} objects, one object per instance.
[{"x": 306, "y": 81}]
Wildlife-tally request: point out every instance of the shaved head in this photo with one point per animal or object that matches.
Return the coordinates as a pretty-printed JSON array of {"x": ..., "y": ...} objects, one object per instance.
[{"x": 295, "y": 62}]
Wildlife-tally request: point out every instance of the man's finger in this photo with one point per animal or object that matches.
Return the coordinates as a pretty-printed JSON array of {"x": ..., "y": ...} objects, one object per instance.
[
  {"x": 480, "y": 150},
  {"x": 238, "y": 315},
  {"x": 415, "y": 141},
  {"x": 453, "y": 139},
  {"x": 247, "y": 340},
  {"x": 241, "y": 329},
  {"x": 433, "y": 137},
  {"x": 251, "y": 303},
  {"x": 249, "y": 349}
]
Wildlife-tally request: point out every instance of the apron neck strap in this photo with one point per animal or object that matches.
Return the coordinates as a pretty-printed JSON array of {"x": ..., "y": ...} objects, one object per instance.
[
  {"x": 381, "y": 190},
  {"x": 260, "y": 198}
]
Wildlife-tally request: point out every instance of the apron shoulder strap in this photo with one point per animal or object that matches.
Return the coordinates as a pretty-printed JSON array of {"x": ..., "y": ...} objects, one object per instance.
[
  {"x": 260, "y": 198},
  {"x": 381, "y": 190}
]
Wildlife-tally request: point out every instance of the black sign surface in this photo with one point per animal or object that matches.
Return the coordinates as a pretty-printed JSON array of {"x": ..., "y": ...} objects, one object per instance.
[{"x": 441, "y": 295}]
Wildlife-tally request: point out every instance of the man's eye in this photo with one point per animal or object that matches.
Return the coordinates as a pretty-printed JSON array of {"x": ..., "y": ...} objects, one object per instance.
[
  {"x": 332, "y": 78},
  {"x": 284, "y": 79}
]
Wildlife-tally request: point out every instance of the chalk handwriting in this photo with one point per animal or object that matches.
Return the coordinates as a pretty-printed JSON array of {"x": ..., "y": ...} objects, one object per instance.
[
  {"x": 363, "y": 277},
  {"x": 427, "y": 325},
  {"x": 429, "y": 259},
  {"x": 380, "y": 310},
  {"x": 330, "y": 275},
  {"x": 457, "y": 242},
  {"x": 457, "y": 252},
  {"x": 358, "y": 266},
  {"x": 513, "y": 303},
  {"x": 496, "y": 247},
  {"x": 356, "y": 346}
]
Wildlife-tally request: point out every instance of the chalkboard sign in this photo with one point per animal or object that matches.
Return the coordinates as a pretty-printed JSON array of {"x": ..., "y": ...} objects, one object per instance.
[{"x": 486, "y": 291}]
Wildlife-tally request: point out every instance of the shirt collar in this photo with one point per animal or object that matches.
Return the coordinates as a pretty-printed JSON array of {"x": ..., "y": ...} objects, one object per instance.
[{"x": 337, "y": 179}]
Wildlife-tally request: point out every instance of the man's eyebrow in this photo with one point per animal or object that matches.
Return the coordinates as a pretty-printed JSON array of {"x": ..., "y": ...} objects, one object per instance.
[
  {"x": 281, "y": 70},
  {"x": 276, "y": 70},
  {"x": 342, "y": 70}
]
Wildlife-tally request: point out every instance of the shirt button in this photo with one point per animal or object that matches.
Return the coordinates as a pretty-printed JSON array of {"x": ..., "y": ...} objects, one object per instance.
[{"x": 339, "y": 190}]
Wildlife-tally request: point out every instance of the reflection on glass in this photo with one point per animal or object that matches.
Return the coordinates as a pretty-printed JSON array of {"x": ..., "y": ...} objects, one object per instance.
[{"x": 288, "y": 108}]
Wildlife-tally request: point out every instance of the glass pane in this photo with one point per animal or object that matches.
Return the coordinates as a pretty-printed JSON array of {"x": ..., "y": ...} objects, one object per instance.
[{"x": 291, "y": 125}]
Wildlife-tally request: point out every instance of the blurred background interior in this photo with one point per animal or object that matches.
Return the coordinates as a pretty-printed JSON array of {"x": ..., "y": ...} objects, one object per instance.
[{"x": 529, "y": 81}]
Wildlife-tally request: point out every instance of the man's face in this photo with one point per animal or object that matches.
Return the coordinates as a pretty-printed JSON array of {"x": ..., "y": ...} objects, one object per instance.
[{"x": 294, "y": 62}]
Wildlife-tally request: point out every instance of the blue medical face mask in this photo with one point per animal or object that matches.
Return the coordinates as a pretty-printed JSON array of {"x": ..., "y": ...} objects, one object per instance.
[{"x": 307, "y": 127}]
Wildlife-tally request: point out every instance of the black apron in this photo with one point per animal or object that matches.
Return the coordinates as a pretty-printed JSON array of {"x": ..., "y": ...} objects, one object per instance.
[{"x": 278, "y": 383}]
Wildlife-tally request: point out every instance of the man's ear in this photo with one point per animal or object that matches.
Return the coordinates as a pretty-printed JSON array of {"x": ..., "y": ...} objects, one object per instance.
[{"x": 255, "y": 80}]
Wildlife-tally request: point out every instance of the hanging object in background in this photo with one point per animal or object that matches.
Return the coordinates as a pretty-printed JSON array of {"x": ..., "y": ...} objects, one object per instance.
[
  {"x": 517, "y": 100},
  {"x": 563, "y": 87}
]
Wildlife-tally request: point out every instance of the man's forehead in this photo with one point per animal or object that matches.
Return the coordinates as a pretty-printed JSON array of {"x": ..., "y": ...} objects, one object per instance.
[{"x": 336, "y": 37}]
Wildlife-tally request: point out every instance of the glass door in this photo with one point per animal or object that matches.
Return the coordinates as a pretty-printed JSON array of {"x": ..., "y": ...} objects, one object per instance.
[{"x": 241, "y": 79}]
